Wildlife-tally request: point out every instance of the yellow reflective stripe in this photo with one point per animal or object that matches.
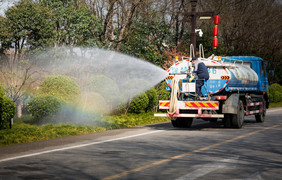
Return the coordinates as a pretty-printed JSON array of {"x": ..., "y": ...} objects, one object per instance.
[
  {"x": 198, "y": 104},
  {"x": 164, "y": 104},
  {"x": 205, "y": 104},
  {"x": 214, "y": 104},
  {"x": 188, "y": 104}
]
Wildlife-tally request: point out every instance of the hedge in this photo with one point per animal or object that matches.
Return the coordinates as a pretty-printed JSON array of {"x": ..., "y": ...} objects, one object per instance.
[
  {"x": 275, "y": 92},
  {"x": 7, "y": 109},
  {"x": 61, "y": 87},
  {"x": 139, "y": 104},
  {"x": 153, "y": 99},
  {"x": 7, "y": 113},
  {"x": 106, "y": 87},
  {"x": 44, "y": 106}
]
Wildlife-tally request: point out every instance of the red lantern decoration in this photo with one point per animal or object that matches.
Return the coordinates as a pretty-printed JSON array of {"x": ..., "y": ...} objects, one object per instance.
[
  {"x": 215, "y": 31},
  {"x": 216, "y": 20},
  {"x": 215, "y": 42}
]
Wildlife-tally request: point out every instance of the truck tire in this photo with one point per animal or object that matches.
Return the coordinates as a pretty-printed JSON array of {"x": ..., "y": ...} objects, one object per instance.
[
  {"x": 261, "y": 117},
  {"x": 213, "y": 120},
  {"x": 182, "y": 122},
  {"x": 186, "y": 122},
  {"x": 227, "y": 121},
  {"x": 175, "y": 123},
  {"x": 238, "y": 119}
]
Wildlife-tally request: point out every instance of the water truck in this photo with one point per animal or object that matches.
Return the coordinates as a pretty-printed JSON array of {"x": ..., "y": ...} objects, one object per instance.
[{"x": 237, "y": 87}]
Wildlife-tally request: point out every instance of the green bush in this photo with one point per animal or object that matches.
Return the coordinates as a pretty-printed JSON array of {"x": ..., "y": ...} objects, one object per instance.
[
  {"x": 275, "y": 92},
  {"x": 277, "y": 96},
  {"x": 275, "y": 87},
  {"x": 139, "y": 104},
  {"x": 106, "y": 87},
  {"x": 2, "y": 92},
  {"x": 44, "y": 106},
  {"x": 163, "y": 94},
  {"x": 93, "y": 102},
  {"x": 61, "y": 87},
  {"x": 8, "y": 110},
  {"x": 153, "y": 99},
  {"x": 271, "y": 97}
]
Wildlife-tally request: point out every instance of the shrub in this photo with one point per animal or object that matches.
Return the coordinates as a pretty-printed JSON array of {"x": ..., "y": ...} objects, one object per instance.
[
  {"x": 61, "y": 87},
  {"x": 107, "y": 88},
  {"x": 271, "y": 97},
  {"x": 139, "y": 104},
  {"x": 93, "y": 102},
  {"x": 275, "y": 87},
  {"x": 7, "y": 112},
  {"x": 153, "y": 99},
  {"x": 43, "y": 106},
  {"x": 275, "y": 92},
  {"x": 2, "y": 92},
  {"x": 163, "y": 94},
  {"x": 277, "y": 96}
]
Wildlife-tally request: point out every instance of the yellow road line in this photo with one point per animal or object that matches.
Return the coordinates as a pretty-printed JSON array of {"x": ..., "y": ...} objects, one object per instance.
[{"x": 188, "y": 153}]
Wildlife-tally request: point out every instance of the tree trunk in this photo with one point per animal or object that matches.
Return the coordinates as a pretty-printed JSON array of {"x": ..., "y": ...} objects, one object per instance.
[
  {"x": 19, "y": 107},
  {"x": 124, "y": 29}
]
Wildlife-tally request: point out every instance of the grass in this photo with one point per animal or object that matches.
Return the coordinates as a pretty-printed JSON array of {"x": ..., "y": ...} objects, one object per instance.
[
  {"x": 23, "y": 133},
  {"x": 131, "y": 120},
  {"x": 277, "y": 104},
  {"x": 24, "y": 130}
]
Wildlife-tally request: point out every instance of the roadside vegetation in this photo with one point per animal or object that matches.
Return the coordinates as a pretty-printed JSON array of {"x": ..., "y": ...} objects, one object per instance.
[
  {"x": 28, "y": 131},
  {"x": 152, "y": 30},
  {"x": 40, "y": 120},
  {"x": 275, "y": 95}
]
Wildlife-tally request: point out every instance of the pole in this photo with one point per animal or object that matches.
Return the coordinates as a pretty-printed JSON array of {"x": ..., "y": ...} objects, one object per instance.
[{"x": 193, "y": 24}]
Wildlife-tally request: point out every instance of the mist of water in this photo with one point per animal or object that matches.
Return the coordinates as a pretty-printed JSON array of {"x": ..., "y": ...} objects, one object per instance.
[{"x": 107, "y": 79}]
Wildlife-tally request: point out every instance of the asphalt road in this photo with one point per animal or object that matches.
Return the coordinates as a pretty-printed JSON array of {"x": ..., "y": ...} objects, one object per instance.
[{"x": 205, "y": 151}]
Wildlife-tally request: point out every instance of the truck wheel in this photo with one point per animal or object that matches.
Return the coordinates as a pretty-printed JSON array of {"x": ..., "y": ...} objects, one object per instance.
[
  {"x": 227, "y": 121},
  {"x": 182, "y": 122},
  {"x": 186, "y": 122},
  {"x": 175, "y": 123},
  {"x": 260, "y": 118},
  {"x": 213, "y": 120},
  {"x": 238, "y": 119}
]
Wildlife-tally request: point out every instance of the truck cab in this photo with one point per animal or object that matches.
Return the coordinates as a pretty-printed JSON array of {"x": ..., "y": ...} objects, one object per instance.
[{"x": 259, "y": 66}]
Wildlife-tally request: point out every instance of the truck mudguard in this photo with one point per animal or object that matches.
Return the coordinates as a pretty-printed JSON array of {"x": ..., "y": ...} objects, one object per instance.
[{"x": 231, "y": 104}]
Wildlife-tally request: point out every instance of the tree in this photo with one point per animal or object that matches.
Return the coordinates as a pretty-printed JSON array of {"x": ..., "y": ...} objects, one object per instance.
[
  {"x": 75, "y": 25},
  {"x": 18, "y": 79},
  {"x": 146, "y": 39},
  {"x": 250, "y": 27},
  {"x": 27, "y": 26}
]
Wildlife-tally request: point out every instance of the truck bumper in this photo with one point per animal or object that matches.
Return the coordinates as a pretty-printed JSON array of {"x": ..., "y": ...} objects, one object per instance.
[
  {"x": 191, "y": 115},
  {"x": 192, "y": 105}
]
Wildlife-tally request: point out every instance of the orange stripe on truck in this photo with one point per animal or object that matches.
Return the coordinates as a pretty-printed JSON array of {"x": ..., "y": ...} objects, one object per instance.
[
  {"x": 164, "y": 104},
  {"x": 200, "y": 104}
]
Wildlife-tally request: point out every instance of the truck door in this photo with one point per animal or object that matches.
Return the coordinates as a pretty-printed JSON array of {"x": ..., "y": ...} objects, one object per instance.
[{"x": 264, "y": 79}]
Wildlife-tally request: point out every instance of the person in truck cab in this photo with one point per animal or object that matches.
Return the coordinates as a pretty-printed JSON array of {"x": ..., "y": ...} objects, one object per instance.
[{"x": 201, "y": 71}]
